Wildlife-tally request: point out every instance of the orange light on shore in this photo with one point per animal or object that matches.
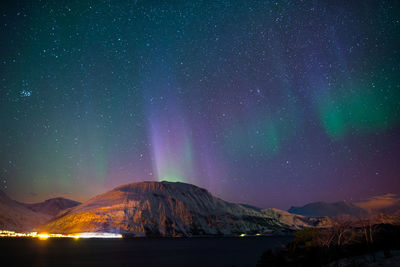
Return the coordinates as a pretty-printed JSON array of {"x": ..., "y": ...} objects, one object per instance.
[{"x": 45, "y": 236}]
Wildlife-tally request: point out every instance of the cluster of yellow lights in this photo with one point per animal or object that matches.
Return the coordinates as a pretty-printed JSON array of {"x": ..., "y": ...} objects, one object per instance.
[
  {"x": 244, "y": 235},
  {"x": 44, "y": 236}
]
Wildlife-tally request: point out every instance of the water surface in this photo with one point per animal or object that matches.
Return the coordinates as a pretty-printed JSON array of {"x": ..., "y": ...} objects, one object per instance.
[{"x": 207, "y": 251}]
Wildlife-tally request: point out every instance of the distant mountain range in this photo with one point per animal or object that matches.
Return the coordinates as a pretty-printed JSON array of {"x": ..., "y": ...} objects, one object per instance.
[
  {"x": 174, "y": 209},
  {"x": 15, "y": 216},
  {"x": 52, "y": 206},
  {"x": 388, "y": 204},
  {"x": 19, "y": 216},
  {"x": 321, "y": 209}
]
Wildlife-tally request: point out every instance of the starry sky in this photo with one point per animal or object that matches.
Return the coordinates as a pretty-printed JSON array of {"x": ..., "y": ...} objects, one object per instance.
[{"x": 270, "y": 103}]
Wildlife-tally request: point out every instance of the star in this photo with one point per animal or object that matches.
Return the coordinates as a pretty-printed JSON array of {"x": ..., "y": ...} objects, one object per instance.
[{"x": 25, "y": 93}]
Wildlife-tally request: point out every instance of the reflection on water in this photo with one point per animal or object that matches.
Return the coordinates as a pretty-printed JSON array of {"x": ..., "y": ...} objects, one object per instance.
[{"x": 139, "y": 251}]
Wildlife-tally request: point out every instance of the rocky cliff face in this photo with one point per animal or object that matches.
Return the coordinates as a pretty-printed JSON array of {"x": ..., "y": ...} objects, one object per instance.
[
  {"x": 164, "y": 209},
  {"x": 14, "y": 216}
]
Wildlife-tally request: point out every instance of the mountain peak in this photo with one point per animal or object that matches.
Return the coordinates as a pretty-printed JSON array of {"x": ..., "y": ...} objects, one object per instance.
[{"x": 157, "y": 186}]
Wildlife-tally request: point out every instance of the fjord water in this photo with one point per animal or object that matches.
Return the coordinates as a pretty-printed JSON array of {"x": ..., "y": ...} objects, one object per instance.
[{"x": 207, "y": 251}]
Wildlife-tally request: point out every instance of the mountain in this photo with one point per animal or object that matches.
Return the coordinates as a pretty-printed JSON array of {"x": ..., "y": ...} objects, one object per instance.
[
  {"x": 52, "y": 206},
  {"x": 164, "y": 209},
  {"x": 16, "y": 217},
  {"x": 322, "y": 209},
  {"x": 295, "y": 221}
]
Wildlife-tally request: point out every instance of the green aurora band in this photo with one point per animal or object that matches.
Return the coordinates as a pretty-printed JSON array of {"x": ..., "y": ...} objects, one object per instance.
[{"x": 365, "y": 108}]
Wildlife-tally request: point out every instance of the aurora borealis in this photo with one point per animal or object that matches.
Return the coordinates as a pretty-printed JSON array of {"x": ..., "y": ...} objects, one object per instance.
[{"x": 270, "y": 103}]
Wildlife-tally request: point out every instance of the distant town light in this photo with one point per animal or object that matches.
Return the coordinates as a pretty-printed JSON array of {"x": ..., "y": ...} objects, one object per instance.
[{"x": 45, "y": 236}]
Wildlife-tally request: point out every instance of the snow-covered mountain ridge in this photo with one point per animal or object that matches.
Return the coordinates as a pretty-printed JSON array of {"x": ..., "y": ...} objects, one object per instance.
[
  {"x": 168, "y": 209},
  {"x": 174, "y": 209}
]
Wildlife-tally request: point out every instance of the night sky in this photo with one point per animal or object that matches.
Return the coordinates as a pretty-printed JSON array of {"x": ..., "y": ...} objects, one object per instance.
[{"x": 270, "y": 103}]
